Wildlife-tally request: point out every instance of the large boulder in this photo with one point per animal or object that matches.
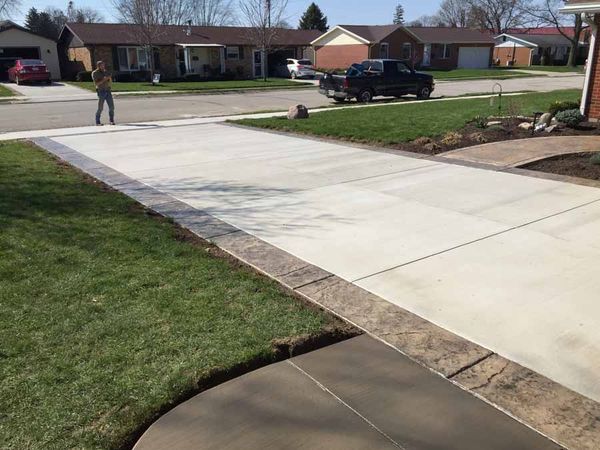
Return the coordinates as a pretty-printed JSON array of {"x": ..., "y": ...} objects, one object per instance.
[
  {"x": 545, "y": 119},
  {"x": 298, "y": 112}
]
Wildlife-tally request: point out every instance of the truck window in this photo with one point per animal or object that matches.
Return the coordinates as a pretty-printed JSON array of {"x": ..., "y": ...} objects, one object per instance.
[{"x": 373, "y": 66}]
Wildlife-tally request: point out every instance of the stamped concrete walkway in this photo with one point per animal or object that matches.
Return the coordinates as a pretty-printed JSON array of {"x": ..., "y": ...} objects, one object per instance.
[
  {"x": 522, "y": 151},
  {"x": 358, "y": 394}
]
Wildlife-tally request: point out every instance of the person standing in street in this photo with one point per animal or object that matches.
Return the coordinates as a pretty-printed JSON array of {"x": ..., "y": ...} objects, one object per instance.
[{"x": 103, "y": 82}]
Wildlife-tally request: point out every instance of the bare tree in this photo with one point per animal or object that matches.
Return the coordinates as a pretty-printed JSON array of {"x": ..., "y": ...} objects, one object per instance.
[
  {"x": 259, "y": 15},
  {"x": 434, "y": 20},
  {"x": 547, "y": 13},
  {"x": 147, "y": 18},
  {"x": 500, "y": 15},
  {"x": 212, "y": 12},
  {"x": 456, "y": 13},
  {"x": 86, "y": 15},
  {"x": 8, "y": 6}
]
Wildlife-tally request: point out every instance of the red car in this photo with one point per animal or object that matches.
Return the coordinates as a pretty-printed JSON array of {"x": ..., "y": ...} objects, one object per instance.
[{"x": 29, "y": 70}]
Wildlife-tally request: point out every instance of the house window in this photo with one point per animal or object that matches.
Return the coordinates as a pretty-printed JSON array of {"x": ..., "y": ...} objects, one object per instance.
[
  {"x": 407, "y": 50},
  {"x": 233, "y": 52},
  {"x": 445, "y": 51},
  {"x": 384, "y": 50},
  {"x": 132, "y": 58}
]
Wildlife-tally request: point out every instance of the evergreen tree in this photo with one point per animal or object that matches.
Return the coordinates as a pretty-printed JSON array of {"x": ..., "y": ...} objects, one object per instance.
[
  {"x": 399, "y": 15},
  {"x": 313, "y": 19},
  {"x": 32, "y": 19}
]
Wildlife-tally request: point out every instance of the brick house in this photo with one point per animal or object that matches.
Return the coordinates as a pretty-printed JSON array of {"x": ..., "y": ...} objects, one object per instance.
[
  {"x": 536, "y": 46},
  {"x": 206, "y": 52},
  {"x": 590, "y": 10},
  {"x": 427, "y": 47}
]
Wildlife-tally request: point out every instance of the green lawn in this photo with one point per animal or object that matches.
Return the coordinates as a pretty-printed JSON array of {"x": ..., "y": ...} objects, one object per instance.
[
  {"x": 560, "y": 69},
  {"x": 406, "y": 122},
  {"x": 107, "y": 317},
  {"x": 474, "y": 74},
  {"x": 197, "y": 85},
  {"x": 5, "y": 92}
]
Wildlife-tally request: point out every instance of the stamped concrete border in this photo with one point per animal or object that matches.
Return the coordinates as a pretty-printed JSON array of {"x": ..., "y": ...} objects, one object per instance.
[{"x": 560, "y": 414}]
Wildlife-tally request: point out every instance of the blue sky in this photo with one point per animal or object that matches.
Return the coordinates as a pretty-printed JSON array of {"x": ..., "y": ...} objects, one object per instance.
[{"x": 338, "y": 11}]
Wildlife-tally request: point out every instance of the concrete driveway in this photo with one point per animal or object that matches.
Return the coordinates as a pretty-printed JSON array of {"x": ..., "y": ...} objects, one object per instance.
[
  {"x": 52, "y": 92},
  {"x": 507, "y": 261}
]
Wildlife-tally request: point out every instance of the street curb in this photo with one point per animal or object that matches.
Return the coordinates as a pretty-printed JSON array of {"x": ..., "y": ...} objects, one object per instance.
[{"x": 562, "y": 415}]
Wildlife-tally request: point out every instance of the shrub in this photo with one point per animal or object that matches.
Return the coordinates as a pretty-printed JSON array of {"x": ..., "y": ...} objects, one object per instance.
[
  {"x": 452, "y": 138},
  {"x": 480, "y": 121},
  {"x": 422, "y": 141},
  {"x": 478, "y": 137},
  {"x": 84, "y": 76},
  {"x": 557, "y": 107},
  {"x": 570, "y": 118},
  {"x": 595, "y": 159}
]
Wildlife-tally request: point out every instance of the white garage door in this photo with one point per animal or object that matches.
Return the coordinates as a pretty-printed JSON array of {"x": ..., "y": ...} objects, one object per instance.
[{"x": 473, "y": 57}]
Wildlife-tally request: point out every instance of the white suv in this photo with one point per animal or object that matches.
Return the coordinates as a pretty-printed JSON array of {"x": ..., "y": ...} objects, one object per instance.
[{"x": 299, "y": 68}]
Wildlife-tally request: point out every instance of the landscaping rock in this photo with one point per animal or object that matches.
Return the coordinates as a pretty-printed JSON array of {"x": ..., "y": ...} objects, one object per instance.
[
  {"x": 545, "y": 119},
  {"x": 297, "y": 112},
  {"x": 525, "y": 126},
  {"x": 494, "y": 122},
  {"x": 551, "y": 128}
]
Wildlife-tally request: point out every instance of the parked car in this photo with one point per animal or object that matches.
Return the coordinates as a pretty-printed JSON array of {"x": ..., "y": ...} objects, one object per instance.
[
  {"x": 300, "y": 68},
  {"x": 377, "y": 77},
  {"x": 29, "y": 70}
]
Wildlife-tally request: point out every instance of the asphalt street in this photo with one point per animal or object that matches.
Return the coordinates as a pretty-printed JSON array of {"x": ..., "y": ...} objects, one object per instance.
[{"x": 72, "y": 113}]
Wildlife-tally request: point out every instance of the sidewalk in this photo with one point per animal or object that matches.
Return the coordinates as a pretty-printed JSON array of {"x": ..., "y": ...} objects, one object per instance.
[
  {"x": 516, "y": 153},
  {"x": 358, "y": 394}
]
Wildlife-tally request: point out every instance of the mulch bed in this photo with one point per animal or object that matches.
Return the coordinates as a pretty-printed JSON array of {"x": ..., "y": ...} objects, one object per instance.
[
  {"x": 471, "y": 135},
  {"x": 573, "y": 165}
]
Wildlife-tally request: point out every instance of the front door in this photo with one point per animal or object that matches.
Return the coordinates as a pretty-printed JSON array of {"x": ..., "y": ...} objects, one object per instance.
[
  {"x": 427, "y": 55},
  {"x": 258, "y": 63}
]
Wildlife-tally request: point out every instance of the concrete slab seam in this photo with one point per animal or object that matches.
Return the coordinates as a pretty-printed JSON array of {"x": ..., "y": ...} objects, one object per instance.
[
  {"x": 508, "y": 230},
  {"x": 346, "y": 405}
]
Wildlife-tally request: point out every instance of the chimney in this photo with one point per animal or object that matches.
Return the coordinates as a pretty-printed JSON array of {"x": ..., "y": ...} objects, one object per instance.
[{"x": 188, "y": 30}]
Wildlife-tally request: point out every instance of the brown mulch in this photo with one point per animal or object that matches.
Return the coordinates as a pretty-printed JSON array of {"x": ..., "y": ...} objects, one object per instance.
[
  {"x": 573, "y": 165},
  {"x": 472, "y": 135}
]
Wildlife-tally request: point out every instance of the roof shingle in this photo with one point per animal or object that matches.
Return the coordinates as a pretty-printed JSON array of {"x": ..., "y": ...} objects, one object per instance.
[{"x": 118, "y": 33}]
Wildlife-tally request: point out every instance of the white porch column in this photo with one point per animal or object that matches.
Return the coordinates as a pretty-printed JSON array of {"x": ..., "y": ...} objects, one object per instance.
[
  {"x": 590, "y": 62},
  {"x": 222, "y": 59},
  {"x": 188, "y": 60}
]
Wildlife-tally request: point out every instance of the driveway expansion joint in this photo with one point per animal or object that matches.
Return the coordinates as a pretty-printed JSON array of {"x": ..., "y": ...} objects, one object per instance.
[{"x": 346, "y": 405}]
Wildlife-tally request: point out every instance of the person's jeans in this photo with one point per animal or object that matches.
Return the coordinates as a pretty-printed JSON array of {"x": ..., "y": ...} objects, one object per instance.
[{"x": 105, "y": 96}]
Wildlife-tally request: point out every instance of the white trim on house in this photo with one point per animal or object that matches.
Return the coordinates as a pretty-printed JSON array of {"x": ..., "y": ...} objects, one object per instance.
[
  {"x": 336, "y": 28},
  {"x": 588, "y": 70},
  {"x": 580, "y": 8},
  {"x": 523, "y": 41},
  {"x": 199, "y": 45}
]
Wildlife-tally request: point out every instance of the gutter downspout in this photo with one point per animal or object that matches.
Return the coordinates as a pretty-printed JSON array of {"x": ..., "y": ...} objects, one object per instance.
[{"x": 590, "y": 61}]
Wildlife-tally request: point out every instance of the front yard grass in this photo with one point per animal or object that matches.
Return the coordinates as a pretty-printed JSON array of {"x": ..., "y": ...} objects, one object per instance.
[
  {"x": 5, "y": 92},
  {"x": 196, "y": 86},
  {"x": 398, "y": 123},
  {"x": 476, "y": 74},
  {"x": 559, "y": 69},
  {"x": 109, "y": 316}
]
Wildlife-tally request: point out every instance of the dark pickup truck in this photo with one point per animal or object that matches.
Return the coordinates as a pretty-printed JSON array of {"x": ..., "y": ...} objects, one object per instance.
[{"x": 374, "y": 77}]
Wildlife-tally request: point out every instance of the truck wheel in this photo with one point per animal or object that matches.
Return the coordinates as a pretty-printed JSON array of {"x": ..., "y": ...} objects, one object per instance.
[
  {"x": 365, "y": 96},
  {"x": 424, "y": 93}
]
